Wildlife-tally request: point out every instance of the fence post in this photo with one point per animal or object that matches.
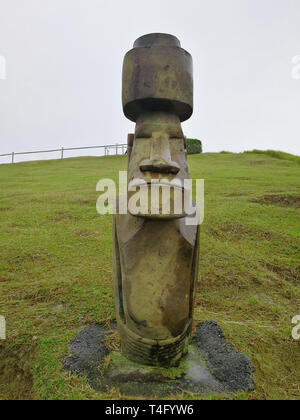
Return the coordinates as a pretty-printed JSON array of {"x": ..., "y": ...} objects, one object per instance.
[
  {"x": 105, "y": 151},
  {"x": 116, "y": 148},
  {"x": 13, "y": 157},
  {"x": 122, "y": 149},
  {"x": 62, "y": 152}
]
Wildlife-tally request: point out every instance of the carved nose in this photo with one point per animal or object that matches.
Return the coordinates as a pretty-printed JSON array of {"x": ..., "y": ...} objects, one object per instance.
[
  {"x": 160, "y": 157},
  {"x": 159, "y": 165}
]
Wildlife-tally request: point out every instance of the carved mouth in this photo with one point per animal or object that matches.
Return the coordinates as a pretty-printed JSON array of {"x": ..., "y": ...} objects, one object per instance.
[{"x": 162, "y": 200}]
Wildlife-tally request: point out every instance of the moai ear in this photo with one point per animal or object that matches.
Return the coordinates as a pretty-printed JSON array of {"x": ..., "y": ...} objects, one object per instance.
[
  {"x": 184, "y": 142},
  {"x": 130, "y": 140}
]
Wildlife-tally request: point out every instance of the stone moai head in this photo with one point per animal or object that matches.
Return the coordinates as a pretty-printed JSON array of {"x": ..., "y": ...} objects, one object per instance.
[
  {"x": 157, "y": 95},
  {"x": 156, "y": 254}
]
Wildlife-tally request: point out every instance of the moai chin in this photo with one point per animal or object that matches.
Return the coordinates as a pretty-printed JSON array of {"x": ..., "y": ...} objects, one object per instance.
[{"x": 156, "y": 255}]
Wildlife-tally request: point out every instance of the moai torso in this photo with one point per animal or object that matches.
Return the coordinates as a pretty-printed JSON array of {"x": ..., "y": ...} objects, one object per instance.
[{"x": 156, "y": 253}]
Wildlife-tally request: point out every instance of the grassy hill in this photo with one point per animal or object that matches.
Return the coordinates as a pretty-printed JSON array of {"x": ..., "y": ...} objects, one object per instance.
[{"x": 56, "y": 274}]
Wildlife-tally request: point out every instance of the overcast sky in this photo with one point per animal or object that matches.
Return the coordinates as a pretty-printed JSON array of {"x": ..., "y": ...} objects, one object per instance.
[{"x": 64, "y": 62}]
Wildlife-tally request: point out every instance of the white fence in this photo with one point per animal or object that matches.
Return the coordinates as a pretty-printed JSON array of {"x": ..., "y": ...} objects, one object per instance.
[{"x": 109, "y": 149}]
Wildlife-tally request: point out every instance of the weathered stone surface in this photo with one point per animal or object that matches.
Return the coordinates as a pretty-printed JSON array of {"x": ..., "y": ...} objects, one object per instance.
[
  {"x": 157, "y": 76},
  {"x": 155, "y": 252}
]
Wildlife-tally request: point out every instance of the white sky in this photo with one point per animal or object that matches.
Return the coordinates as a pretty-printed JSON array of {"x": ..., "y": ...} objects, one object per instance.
[{"x": 64, "y": 61}]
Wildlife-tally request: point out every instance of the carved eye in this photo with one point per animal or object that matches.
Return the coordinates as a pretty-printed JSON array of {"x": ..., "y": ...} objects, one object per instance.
[
  {"x": 176, "y": 138},
  {"x": 143, "y": 136}
]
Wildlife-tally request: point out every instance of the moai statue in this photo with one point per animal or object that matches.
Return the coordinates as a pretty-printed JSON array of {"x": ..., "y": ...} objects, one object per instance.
[{"x": 156, "y": 253}]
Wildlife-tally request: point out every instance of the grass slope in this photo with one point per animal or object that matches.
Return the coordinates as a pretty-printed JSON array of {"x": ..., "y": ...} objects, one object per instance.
[{"x": 56, "y": 274}]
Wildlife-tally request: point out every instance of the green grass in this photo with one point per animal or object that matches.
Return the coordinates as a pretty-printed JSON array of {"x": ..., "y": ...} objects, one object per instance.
[
  {"x": 277, "y": 155},
  {"x": 56, "y": 273}
]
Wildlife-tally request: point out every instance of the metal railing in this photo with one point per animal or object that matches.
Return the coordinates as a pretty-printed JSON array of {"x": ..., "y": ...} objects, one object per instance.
[{"x": 116, "y": 149}]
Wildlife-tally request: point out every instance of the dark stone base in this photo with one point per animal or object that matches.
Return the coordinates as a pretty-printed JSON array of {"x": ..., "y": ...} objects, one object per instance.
[{"x": 211, "y": 367}]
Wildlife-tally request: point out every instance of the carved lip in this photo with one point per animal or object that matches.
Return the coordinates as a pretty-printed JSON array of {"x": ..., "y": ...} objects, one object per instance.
[
  {"x": 162, "y": 185},
  {"x": 156, "y": 182},
  {"x": 159, "y": 213}
]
